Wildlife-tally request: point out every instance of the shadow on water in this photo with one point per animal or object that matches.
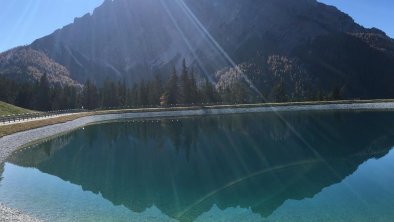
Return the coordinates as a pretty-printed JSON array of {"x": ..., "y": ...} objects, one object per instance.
[{"x": 185, "y": 166}]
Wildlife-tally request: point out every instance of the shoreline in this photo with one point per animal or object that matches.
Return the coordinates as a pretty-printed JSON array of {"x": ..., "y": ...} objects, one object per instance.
[
  {"x": 8, "y": 214},
  {"x": 13, "y": 142},
  {"x": 16, "y": 141}
]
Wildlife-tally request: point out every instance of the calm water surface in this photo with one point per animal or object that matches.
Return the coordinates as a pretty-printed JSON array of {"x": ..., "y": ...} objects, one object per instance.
[{"x": 257, "y": 167}]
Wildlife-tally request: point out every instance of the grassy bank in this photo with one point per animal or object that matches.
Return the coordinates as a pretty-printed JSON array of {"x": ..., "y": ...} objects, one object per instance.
[
  {"x": 18, "y": 127},
  {"x": 8, "y": 109}
]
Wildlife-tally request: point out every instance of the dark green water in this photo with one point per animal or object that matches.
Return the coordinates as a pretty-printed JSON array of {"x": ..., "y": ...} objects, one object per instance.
[{"x": 257, "y": 167}]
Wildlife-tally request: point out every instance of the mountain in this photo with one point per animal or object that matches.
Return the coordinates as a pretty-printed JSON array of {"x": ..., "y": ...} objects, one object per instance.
[
  {"x": 26, "y": 64},
  {"x": 299, "y": 46}
]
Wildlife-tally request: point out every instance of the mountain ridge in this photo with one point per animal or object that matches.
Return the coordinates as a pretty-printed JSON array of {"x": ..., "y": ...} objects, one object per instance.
[{"x": 135, "y": 40}]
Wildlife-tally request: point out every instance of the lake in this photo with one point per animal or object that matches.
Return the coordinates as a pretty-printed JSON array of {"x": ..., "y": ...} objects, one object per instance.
[{"x": 310, "y": 166}]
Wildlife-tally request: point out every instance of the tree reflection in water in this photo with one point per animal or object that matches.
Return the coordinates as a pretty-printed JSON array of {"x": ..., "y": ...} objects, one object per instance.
[{"x": 185, "y": 166}]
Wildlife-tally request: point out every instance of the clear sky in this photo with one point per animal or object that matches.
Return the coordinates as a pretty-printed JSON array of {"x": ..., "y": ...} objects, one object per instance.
[
  {"x": 22, "y": 21},
  {"x": 368, "y": 13}
]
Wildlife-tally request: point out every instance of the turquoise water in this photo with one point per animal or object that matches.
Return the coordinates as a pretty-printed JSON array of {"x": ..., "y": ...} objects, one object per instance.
[{"x": 321, "y": 166}]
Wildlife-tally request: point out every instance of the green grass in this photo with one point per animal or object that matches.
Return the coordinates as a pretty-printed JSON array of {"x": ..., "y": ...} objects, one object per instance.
[{"x": 8, "y": 109}]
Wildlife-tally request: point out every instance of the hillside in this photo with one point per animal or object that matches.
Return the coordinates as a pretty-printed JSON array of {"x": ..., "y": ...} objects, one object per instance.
[
  {"x": 299, "y": 48},
  {"x": 8, "y": 109},
  {"x": 26, "y": 64}
]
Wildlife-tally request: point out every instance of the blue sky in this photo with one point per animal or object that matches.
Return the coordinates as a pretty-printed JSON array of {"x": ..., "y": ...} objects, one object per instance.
[
  {"x": 369, "y": 13},
  {"x": 22, "y": 21}
]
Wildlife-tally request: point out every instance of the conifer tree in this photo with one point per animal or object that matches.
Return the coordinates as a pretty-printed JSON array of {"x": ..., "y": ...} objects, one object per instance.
[
  {"x": 279, "y": 92},
  {"x": 133, "y": 99},
  {"x": 43, "y": 94},
  {"x": 208, "y": 92},
  {"x": 194, "y": 91},
  {"x": 121, "y": 93},
  {"x": 156, "y": 90},
  {"x": 90, "y": 97},
  {"x": 240, "y": 94},
  {"x": 57, "y": 98},
  {"x": 172, "y": 89},
  {"x": 184, "y": 85},
  {"x": 143, "y": 94}
]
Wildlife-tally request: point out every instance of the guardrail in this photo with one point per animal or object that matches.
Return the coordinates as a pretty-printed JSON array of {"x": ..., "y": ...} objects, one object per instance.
[
  {"x": 31, "y": 116},
  {"x": 37, "y": 115}
]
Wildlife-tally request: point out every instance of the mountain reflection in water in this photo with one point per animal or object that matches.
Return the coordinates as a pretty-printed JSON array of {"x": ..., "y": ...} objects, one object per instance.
[{"x": 186, "y": 166}]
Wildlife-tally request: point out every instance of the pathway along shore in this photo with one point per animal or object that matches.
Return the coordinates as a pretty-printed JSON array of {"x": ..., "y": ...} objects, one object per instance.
[{"x": 11, "y": 143}]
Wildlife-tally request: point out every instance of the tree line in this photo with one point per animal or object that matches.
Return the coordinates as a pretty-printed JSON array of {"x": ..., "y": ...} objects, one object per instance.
[
  {"x": 181, "y": 88},
  {"x": 39, "y": 95}
]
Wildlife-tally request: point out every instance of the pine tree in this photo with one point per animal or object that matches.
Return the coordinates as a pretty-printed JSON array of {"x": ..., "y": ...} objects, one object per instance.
[
  {"x": 57, "y": 98},
  {"x": 156, "y": 90},
  {"x": 25, "y": 96},
  {"x": 132, "y": 98},
  {"x": 172, "y": 89},
  {"x": 335, "y": 94},
  {"x": 208, "y": 92},
  {"x": 109, "y": 94},
  {"x": 143, "y": 94},
  {"x": 90, "y": 97},
  {"x": 319, "y": 95},
  {"x": 184, "y": 85},
  {"x": 240, "y": 93},
  {"x": 194, "y": 91},
  {"x": 43, "y": 101},
  {"x": 279, "y": 92},
  {"x": 122, "y": 93},
  {"x": 70, "y": 97},
  {"x": 8, "y": 90}
]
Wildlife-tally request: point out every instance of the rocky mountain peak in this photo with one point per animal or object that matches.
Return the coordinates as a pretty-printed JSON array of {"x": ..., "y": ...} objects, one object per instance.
[{"x": 137, "y": 39}]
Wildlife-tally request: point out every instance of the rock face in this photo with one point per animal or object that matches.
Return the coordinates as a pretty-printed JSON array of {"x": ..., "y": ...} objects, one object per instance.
[{"x": 134, "y": 39}]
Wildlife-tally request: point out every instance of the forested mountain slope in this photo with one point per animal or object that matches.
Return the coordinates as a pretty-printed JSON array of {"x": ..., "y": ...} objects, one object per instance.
[{"x": 277, "y": 49}]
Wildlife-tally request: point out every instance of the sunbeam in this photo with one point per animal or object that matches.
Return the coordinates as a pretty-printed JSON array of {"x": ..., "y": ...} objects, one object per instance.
[
  {"x": 205, "y": 32},
  {"x": 196, "y": 110},
  {"x": 186, "y": 40}
]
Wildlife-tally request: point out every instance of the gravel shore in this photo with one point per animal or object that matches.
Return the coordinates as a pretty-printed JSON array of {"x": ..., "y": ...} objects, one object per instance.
[
  {"x": 9, "y": 144},
  {"x": 11, "y": 215}
]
